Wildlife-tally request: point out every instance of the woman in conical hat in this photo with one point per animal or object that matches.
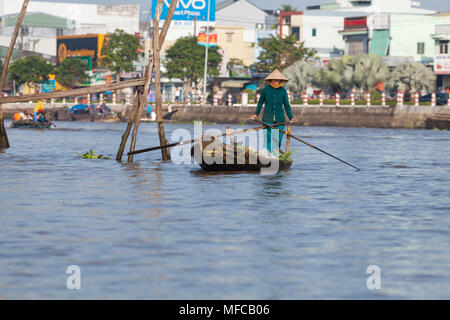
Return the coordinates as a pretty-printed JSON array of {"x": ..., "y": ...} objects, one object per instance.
[{"x": 275, "y": 99}]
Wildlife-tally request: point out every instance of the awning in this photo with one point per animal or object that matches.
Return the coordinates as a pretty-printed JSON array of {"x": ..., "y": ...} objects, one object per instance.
[
  {"x": 234, "y": 83},
  {"x": 37, "y": 19},
  {"x": 380, "y": 42},
  {"x": 353, "y": 32}
]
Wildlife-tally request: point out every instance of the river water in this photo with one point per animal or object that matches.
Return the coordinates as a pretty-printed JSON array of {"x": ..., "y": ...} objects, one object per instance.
[{"x": 159, "y": 230}]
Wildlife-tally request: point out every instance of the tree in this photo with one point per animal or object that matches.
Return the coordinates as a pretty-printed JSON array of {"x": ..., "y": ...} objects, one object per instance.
[
  {"x": 287, "y": 7},
  {"x": 300, "y": 75},
  {"x": 71, "y": 72},
  {"x": 281, "y": 52},
  {"x": 185, "y": 60},
  {"x": 411, "y": 77},
  {"x": 119, "y": 52},
  {"x": 364, "y": 71},
  {"x": 331, "y": 77},
  {"x": 30, "y": 70}
]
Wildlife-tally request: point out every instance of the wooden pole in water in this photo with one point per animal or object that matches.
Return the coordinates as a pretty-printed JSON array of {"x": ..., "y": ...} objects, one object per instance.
[
  {"x": 4, "y": 143},
  {"x": 165, "y": 153},
  {"x": 133, "y": 114},
  {"x": 288, "y": 138},
  {"x": 157, "y": 42}
]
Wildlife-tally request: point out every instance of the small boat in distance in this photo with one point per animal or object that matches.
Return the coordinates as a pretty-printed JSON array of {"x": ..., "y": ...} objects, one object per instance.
[{"x": 30, "y": 124}]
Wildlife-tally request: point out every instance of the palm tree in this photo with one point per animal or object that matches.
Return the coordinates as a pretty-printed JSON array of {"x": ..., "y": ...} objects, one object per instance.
[
  {"x": 369, "y": 71},
  {"x": 353, "y": 72},
  {"x": 331, "y": 78},
  {"x": 411, "y": 77},
  {"x": 300, "y": 75},
  {"x": 363, "y": 72}
]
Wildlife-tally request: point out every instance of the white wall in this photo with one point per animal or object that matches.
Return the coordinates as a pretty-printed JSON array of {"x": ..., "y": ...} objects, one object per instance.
[
  {"x": 241, "y": 13},
  {"x": 87, "y": 16},
  {"x": 46, "y": 46},
  {"x": 394, "y": 6},
  {"x": 327, "y": 37}
]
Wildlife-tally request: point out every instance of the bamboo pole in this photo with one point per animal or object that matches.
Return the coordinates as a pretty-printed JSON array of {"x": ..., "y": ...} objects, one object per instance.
[
  {"x": 288, "y": 138},
  {"x": 165, "y": 153},
  {"x": 142, "y": 101},
  {"x": 74, "y": 92},
  {"x": 154, "y": 61},
  {"x": 133, "y": 114},
  {"x": 4, "y": 143}
]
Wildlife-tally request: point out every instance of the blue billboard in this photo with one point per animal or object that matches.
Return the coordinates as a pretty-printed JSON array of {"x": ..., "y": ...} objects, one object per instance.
[{"x": 189, "y": 10}]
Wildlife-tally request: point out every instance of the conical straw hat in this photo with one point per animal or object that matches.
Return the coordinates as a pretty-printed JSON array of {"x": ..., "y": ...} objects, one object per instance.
[{"x": 276, "y": 75}]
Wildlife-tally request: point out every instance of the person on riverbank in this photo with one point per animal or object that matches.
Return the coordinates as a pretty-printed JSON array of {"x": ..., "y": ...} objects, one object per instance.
[{"x": 275, "y": 99}]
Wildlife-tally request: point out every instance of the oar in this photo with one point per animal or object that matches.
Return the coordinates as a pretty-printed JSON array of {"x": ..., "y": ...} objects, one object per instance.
[
  {"x": 194, "y": 140},
  {"x": 308, "y": 144}
]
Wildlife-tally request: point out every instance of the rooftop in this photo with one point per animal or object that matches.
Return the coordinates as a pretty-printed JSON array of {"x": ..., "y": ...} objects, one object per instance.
[{"x": 37, "y": 19}]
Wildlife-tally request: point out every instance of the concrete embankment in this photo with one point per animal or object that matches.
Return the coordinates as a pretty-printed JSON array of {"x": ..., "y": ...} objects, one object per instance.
[{"x": 342, "y": 116}]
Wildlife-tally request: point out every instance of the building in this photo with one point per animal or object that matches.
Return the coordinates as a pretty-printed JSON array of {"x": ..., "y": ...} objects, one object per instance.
[
  {"x": 441, "y": 37},
  {"x": 37, "y": 34},
  {"x": 87, "y": 18},
  {"x": 397, "y": 37},
  {"x": 374, "y": 6},
  {"x": 355, "y": 35},
  {"x": 46, "y": 20},
  {"x": 243, "y": 13},
  {"x": 236, "y": 43},
  {"x": 381, "y": 27},
  {"x": 290, "y": 23},
  {"x": 320, "y": 31},
  {"x": 255, "y": 23}
]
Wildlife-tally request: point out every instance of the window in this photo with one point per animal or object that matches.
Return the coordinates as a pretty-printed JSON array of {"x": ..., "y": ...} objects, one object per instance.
[
  {"x": 443, "y": 47},
  {"x": 59, "y": 31},
  {"x": 314, "y": 32},
  {"x": 229, "y": 36},
  {"x": 420, "y": 47},
  {"x": 296, "y": 31},
  {"x": 25, "y": 31}
]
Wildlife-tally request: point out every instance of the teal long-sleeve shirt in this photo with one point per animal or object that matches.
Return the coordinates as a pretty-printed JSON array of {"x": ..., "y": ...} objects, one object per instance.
[{"x": 274, "y": 100}]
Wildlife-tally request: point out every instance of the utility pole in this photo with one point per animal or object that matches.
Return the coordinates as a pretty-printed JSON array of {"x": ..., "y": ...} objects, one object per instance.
[
  {"x": 21, "y": 43},
  {"x": 206, "y": 53},
  {"x": 195, "y": 26}
]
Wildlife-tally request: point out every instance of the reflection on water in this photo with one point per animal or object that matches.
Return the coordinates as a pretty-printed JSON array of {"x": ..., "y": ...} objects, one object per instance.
[{"x": 157, "y": 230}]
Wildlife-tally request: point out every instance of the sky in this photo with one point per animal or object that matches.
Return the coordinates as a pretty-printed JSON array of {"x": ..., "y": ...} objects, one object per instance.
[{"x": 439, "y": 5}]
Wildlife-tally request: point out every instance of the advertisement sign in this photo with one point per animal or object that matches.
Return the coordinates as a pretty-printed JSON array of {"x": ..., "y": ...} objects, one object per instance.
[
  {"x": 212, "y": 42},
  {"x": 442, "y": 64},
  {"x": 48, "y": 86},
  {"x": 238, "y": 71},
  {"x": 188, "y": 10},
  {"x": 86, "y": 47},
  {"x": 355, "y": 22}
]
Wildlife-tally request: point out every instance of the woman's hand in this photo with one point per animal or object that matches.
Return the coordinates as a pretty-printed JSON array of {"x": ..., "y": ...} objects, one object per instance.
[
  {"x": 253, "y": 116},
  {"x": 294, "y": 120}
]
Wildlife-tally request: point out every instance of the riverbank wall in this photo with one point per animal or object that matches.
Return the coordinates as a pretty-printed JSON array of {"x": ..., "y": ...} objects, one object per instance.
[
  {"x": 336, "y": 116},
  {"x": 400, "y": 116}
]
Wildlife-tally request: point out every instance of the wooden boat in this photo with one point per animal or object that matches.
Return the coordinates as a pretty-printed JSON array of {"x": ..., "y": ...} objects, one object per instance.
[
  {"x": 31, "y": 124},
  {"x": 213, "y": 155}
]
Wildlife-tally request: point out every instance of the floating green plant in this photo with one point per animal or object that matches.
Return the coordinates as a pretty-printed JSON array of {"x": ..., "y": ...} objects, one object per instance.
[{"x": 93, "y": 155}]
